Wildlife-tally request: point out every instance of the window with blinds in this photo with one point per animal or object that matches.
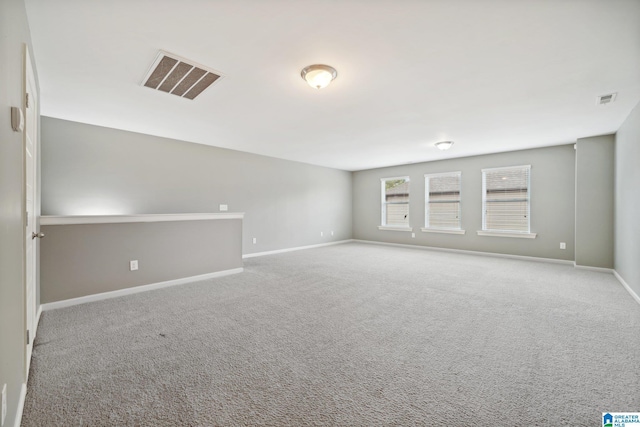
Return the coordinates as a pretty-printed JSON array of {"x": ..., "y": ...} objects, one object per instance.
[
  {"x": 505, "y": 199},
  {"x": 442, "y": 201},
  {"x": 395, "y": 202}
]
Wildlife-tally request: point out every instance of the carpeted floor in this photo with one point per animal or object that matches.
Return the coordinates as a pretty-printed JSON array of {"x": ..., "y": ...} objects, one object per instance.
[{"x": 347, "y": 335}]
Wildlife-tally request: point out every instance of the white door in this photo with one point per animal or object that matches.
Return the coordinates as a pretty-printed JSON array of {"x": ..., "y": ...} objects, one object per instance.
[{"x": 30, "y": 151}]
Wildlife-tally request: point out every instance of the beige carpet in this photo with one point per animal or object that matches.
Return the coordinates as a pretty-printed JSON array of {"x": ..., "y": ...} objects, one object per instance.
[{"x": 348, "y": 335}]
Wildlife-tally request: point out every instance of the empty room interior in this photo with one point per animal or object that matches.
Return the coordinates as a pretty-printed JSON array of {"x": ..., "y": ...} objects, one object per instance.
[{"x": 315, "y": 212}]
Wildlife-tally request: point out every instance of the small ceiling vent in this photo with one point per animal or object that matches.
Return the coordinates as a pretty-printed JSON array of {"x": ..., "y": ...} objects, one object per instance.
[
  {"x": 606, "y": 99},
  {"x": 178, "y": 76}
]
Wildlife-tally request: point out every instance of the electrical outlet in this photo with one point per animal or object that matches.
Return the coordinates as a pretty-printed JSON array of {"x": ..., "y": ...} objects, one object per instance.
[
  {"x": 255, "y": 240},
  {"x": 133, "y": 265},
  {"x": 224, "y": 208},
  {"x": 563, "y": 245},
  {"x": 4, "y": 403},
  {"x": 321, "y": 233},
  {"x": 413, "y": 235},
  {"x": 332, "y": 233}
]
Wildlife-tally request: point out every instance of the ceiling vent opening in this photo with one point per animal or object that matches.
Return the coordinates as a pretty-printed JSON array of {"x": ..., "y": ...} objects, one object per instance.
[
  {"x": 606, "y": 99},
  {"x": 178, "y": 76}
]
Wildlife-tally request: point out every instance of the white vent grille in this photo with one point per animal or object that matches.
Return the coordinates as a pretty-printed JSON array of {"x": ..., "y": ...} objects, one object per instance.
[
  {"x": 606, "y": 99},
  {"x": 178, "y": 76}
]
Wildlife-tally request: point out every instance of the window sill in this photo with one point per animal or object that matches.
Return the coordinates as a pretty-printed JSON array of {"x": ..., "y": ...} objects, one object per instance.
[
  {"x": 442, "y": 230},
  {"x": 507, "y": 234},
  {"x": 390, "y": 228}
]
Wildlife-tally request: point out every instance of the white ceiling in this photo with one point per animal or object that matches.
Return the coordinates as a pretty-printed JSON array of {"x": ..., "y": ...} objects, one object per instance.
[{"x": 491, "y": 75}]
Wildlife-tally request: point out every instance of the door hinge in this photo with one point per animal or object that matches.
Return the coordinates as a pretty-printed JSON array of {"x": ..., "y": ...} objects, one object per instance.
[
  {"x": 27, "y": 100},
  {"x": 27, "y": 215},
  {"x": 28, "y": 339}
]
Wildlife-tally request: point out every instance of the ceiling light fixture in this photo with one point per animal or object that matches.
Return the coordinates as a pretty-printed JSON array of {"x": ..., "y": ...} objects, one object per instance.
[
  {"x": 444, "y": 145},
  {"x": 319, "y": 76}
]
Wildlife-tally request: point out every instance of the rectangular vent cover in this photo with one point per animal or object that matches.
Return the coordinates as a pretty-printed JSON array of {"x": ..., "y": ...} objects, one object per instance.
[
  {"x": 606, "y": 99},
  {"x": 178, "y": 76}
]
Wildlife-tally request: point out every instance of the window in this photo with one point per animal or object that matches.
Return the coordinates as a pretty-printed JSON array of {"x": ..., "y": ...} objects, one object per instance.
[
  {"x": 395, "y": 202},
  {"x": 505, "y": 199},
  {"x": 442, "y": 201}
]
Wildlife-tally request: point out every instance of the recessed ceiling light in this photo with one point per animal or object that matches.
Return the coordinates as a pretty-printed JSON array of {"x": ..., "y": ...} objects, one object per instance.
[
  {"x": 319, "y": 76},
  {"x": 444, "y": 145}
]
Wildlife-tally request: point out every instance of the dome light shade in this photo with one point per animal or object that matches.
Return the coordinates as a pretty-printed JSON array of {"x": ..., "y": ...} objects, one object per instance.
[
  {"x": 444, "y": 145},
  {"x": 318, "y": 76}
]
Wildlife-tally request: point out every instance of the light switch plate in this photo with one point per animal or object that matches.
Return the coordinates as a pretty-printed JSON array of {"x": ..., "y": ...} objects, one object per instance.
[
  {"x": 17, "y": 119},
  {"x": 133, "y": 265}
]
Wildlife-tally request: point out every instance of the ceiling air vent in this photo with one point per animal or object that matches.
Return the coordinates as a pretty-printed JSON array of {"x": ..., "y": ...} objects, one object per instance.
[
  {"x": 178, "y": 76},
  {"x": 606, "y": 99}
]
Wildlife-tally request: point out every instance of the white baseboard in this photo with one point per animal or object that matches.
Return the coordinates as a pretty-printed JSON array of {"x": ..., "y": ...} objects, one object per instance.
[
  {"x": 35, "y": 329},
  {"x": 298, "y": 248},
  {"x": 466, "y": 252},
  {"x": 627, "y": 287},
  {"x": 136, "y": 289},
  {"x": 23, "y": 395},
  {"x": 598, "y": 269}
]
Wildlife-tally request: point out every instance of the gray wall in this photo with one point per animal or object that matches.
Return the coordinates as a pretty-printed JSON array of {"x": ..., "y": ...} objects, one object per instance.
[
  {"x": 552, "y": 203},
  {"x": 79, "y": 260},
  {"x": 14, "y": 32},
  {"x": 595, "y": 201},
  {"x": 627, "y": 211},
  {"x": 94, "y": 170}
]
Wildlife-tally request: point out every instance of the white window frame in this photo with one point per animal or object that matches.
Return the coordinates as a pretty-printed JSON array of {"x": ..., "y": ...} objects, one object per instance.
[
  {"x": 383, "y": 210},
  {"x": 427, "y": 227},
  {"x": 506, "y": 233}
]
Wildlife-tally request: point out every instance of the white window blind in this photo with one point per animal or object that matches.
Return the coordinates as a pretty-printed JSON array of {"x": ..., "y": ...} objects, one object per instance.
[
  {"x": 442, "y": 197},
  {"x": 505, "y": 199},
  {"x": 395, "y": 201}
]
